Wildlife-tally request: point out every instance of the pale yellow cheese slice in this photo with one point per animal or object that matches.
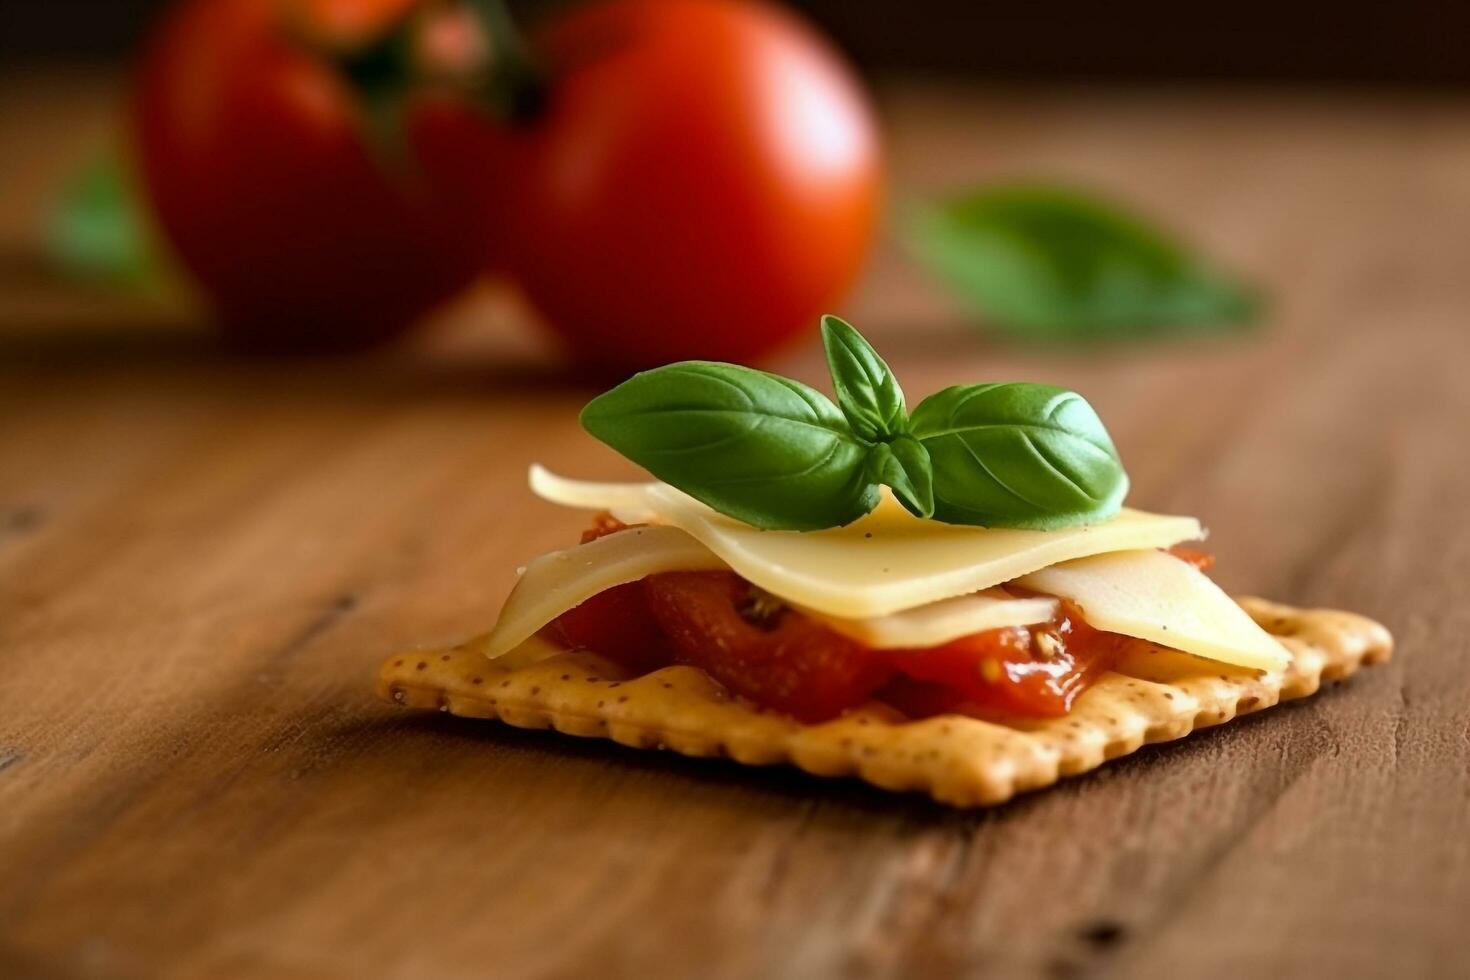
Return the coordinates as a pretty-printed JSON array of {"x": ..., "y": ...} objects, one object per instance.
[
  {"x": 628, "y": 502},
  {"x": 1154, "y": 596},
  {"x": 886, "y": 562},
  {"x": 560, "y": 580},
  {"x": 942, "y": 621}
]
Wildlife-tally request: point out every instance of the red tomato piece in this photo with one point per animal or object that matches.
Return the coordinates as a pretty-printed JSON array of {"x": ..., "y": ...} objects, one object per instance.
[
  {"x": 920, "y": 699},
  {"x": 603, "y": 524},
  {"x": 1035, "y": 671},
  {"x": 776, "y": 658},
  {"x": 1200, "y": 559},
  {"x": 616, "y": 624},
  {"x": 783, "y": 660}
]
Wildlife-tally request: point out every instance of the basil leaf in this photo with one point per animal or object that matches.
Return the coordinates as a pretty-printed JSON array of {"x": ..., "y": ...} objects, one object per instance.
[
  {"x": 96, "y": 229},
  {"x": 1051, "y": 263},
  {"x": 760, "y": 448},
  {"x": 867, "y": 391},
  {"x": 903, "y": 465},
  {"x": 1018, "y": 455}
]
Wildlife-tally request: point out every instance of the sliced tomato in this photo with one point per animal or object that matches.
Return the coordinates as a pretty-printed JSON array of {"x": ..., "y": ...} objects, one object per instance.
[
  {"x": 775, "y": 657},
  {"x": 603, "y": 524},
  {"x": 1200, "y": 559},
  {"x": 1037, "y": 670},
  {"x": 617, "y": 623},
  {"x": 920, "y": 699},
  {"x": 780, "y": 659}
]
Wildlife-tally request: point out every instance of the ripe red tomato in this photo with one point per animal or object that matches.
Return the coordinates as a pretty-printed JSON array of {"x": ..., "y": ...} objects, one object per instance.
[
  {"x": 702, "y": 182},
  {"x": 253, "y": 153}
]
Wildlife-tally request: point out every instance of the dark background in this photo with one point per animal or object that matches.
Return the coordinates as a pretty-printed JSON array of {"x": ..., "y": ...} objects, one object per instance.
[{"x": 1407, "y": 42}]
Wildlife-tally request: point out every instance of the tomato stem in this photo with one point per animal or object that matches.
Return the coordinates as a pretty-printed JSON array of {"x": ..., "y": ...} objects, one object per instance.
[
  {"x": 515, "y": 84},
  {"x": 469, "y": 48}
]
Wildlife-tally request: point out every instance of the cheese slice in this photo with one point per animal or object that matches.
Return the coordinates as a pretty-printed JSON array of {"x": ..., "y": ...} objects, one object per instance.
[
  {"x": 883, "y": 563},
  {"x": 1154, "y": 596},
  {"x": 942, "y": 621},
  {"x": 560, "y": 580},
  {"x": 1144, "y": 593},
  {"x": 628, "y": 502}
]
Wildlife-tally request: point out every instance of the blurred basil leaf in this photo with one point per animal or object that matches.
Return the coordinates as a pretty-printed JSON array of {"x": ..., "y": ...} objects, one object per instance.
[
  {"x": 1052, "y": 263},
  {"x": 97, "y": 230}
]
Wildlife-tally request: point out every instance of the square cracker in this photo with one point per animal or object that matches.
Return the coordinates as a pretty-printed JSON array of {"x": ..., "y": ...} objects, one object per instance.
[{"x": 1152, "y": 696}]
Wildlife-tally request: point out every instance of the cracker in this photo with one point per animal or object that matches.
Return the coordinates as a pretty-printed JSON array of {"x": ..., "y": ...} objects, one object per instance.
[{"x": 1154, "y": 695}]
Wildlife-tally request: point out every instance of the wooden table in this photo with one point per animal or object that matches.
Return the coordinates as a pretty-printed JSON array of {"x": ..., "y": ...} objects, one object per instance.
[{"x": 202, "y": 561}]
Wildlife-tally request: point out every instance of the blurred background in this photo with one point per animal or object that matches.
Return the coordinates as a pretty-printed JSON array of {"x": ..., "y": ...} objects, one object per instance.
[
  {"x": 100, "y": 227},
  {"x": 1415, "y": 42}
]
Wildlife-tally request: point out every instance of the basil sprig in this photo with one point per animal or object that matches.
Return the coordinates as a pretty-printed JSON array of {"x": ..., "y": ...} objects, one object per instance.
[{"x": 776, "y": 454}]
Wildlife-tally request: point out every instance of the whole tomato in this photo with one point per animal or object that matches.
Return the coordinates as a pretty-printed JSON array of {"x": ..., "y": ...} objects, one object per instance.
[
  {"x": 702, "y": 181},
  {"x": 254, "y": 151}
]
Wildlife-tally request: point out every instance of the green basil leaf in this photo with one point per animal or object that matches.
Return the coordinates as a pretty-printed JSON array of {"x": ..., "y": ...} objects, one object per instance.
[
  {"x": 867, "y": 391},
  {"x": 1018, "y": 455},
  {"x": 903, "y": 465},
  {"x": 96, "y": 229},
  {"x": 1051, "y": 263},
  {"x": 760, "y": 448}
]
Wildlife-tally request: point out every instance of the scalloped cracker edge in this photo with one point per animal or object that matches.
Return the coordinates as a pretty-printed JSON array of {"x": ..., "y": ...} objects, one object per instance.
[{"x": 1155, "y": 695}]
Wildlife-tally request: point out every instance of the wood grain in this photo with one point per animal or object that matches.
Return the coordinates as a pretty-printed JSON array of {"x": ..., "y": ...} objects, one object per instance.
[{"x": 203, "y": 559}]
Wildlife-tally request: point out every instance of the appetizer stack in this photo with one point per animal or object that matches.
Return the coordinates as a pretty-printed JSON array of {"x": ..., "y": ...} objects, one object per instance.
[{"x": 951, "y": 600}]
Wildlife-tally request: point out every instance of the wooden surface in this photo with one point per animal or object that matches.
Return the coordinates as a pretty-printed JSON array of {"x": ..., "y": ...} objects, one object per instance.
[{"x": 202, "y": 560}]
